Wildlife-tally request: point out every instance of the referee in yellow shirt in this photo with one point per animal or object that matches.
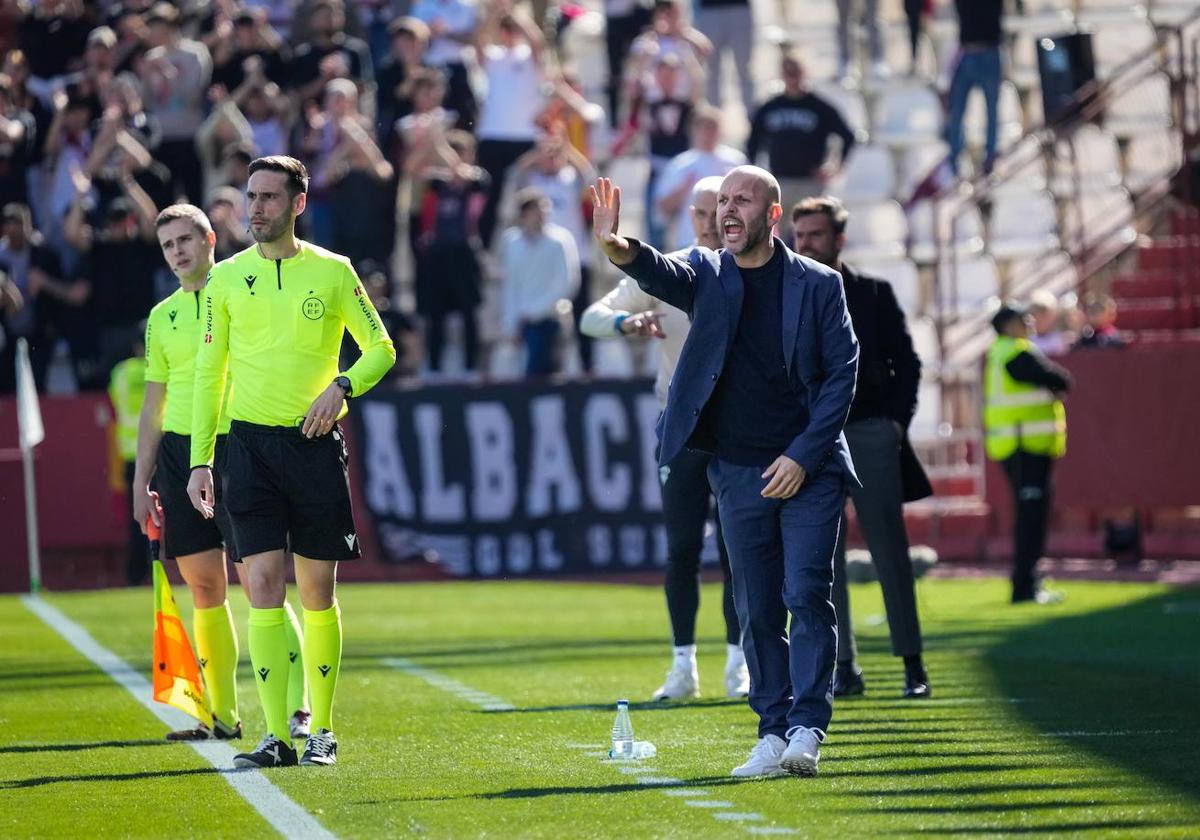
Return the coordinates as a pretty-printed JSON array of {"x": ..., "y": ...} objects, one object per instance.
[
  {"x": 274, "y": 316},
  {"x": 164, "y": 454}
]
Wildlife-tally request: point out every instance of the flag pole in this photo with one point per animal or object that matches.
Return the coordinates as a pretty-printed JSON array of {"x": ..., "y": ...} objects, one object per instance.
[
  {"x": 31, "y": 522},
  {"x": 31, "y": 432}
]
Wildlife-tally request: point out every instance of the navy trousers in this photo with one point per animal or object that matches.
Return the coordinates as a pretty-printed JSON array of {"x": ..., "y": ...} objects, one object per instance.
[{"x": 781, "y": 555}]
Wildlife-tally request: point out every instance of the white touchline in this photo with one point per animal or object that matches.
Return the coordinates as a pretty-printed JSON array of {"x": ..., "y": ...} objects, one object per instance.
[
  {"x": 284, "y": 815},
  {"x": 483, "y": 700},
  {"x": 707, "y": 803},
  {"x": 1123, "y": 733}
]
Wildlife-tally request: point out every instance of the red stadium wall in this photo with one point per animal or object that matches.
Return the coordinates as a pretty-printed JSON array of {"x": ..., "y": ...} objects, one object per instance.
[{"x": 1132, "y": 444}]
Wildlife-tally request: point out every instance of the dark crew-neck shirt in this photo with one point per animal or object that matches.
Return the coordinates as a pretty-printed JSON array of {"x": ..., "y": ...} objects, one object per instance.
[{"x": 754, "y": 413}]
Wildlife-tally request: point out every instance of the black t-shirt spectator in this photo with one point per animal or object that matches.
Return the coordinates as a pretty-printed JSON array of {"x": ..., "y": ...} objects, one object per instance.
[
  {"x": 53, "y": 45},
  {"x": 15, "y": 158},
  {"x": 979, "y": 21},
  {"x": 390, "y": 103},
  {"x": 306, "y": 65},
  {"x": 667, "y": 131},
  {"x": 121, "y": 274},
  {"x": 795, "y": 132},
  {"x": 231, "y": 74}
]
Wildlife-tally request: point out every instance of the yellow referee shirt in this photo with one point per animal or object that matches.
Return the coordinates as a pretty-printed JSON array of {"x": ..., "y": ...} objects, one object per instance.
[
  {"x": 277, "y": 325},
  {"x": 172, "y": 341}
]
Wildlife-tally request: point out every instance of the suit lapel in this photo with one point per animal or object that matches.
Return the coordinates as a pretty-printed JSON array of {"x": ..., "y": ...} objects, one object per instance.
[
  {"x": 793, "y": 270},
  {"x": 734, "y": 288}
]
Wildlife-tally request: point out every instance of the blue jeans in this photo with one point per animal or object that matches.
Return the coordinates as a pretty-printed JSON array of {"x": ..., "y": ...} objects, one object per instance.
[
  {"x": 983, "y": 70},
  {"x": 541, "y": 344},
  {"x": 781, "y": 556}
]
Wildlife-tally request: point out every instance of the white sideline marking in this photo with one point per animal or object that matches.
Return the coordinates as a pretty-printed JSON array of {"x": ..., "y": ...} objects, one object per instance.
[
  {"x": 733, "y": 816},
  {"x": 771, "y": 829},
  {"x": 283, "y": 815},
  {"x": 1121, "y": 733},
  {"x": 707, "y": 803},
  {"x": 482, "y": 699},
  {"x": 686, "y": 792},
  {"x": 636, "y": 771},
  {"x": 659, "y": 780},
  {"x": 583, "y": 746}
]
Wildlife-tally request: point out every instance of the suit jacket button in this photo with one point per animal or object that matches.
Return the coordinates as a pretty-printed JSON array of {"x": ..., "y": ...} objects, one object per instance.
[
  {"x": 714, "y": 377},
  {"x": 695, "y": 412}
]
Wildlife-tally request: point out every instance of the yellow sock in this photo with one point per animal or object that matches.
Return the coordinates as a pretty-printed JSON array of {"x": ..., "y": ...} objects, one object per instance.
[
  {"x": 322, "y": 660},
  {"x": 217, "y": 649},
  {"x": 297, "y": 697},
  {"x": 269, "y": 656}
]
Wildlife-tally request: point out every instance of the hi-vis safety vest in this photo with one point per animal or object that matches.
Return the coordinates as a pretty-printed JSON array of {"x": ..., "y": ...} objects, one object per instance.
[{"x": 1018, "y": 415}]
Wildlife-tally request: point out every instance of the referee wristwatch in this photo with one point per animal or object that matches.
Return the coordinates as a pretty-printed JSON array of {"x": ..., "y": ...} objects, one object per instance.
[{"x": 343, "y": 382}]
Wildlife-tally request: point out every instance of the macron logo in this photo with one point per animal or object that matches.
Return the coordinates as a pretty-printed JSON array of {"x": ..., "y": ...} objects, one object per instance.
[
  {"x": 350, "y": 538},
  {"x": 250, "y": 281}
]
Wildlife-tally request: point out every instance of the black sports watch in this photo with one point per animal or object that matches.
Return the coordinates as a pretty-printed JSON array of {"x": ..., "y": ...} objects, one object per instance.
[{"x": 343, "y": 382}]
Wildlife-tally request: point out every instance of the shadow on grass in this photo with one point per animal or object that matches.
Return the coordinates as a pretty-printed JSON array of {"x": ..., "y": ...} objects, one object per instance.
[
  {"x": 582, "y": 790},
  {"x": 86, "y": 745},
  {"x": 1122, "y": 684},
  {"x": 1048, "y": 828},
  {"x": 108, "y": 778}
]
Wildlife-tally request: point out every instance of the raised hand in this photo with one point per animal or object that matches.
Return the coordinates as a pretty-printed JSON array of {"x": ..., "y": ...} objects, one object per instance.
[{"x": 606, "y": 216}]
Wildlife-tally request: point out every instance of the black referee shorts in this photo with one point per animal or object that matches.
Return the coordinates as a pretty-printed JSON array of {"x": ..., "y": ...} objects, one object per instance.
[
  {"x": 186, "y": 531},
  {"x": 286, "y": 491}
]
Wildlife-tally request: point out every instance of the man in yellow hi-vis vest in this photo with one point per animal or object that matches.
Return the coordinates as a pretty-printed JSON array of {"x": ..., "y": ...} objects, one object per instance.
[{"x": 1025, "y": 428}]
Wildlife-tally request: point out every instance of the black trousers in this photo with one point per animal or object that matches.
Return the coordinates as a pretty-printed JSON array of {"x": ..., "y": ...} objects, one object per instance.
[
  {"x": 583, "y": 299},
  {"x": 879, "y": 504},
  {"x": 187, "y": 173},
  {"x": 686, "y": 498},
  {"x": 495, "y": 158},
  {"x": 137, "y": 550},
  {"x": 1029, "y": 476},
  {"x": 912, "y": 9},
  {"x": 619, "y": 34}
]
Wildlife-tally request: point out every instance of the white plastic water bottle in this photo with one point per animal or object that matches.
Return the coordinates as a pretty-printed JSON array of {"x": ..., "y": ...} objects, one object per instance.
[{"x": 622, "y": 733}]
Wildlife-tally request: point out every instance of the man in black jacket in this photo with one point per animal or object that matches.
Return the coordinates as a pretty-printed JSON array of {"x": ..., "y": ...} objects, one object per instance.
[{"x": 885, "y": 400}]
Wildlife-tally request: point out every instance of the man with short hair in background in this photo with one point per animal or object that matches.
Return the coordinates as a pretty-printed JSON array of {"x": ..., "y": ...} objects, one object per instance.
[
  {"x": 885, "y": 400},
  {"x": 540, "y": 268}
]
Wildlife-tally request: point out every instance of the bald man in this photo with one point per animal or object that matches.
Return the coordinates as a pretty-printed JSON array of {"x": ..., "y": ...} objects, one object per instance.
[
  {"x": 629, "y": 311},
  {"x": 764, "y": 383}
]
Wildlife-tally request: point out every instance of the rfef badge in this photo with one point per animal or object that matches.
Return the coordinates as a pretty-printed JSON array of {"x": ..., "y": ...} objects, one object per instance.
[{"x": 313, "y": 308}]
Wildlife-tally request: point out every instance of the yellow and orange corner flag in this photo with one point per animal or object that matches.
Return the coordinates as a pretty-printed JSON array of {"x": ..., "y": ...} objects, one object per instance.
[{"x": 177, "y": 679}]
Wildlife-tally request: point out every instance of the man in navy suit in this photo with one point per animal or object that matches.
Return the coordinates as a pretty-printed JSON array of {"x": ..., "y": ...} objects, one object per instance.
[{"x": 764, "y": 382}]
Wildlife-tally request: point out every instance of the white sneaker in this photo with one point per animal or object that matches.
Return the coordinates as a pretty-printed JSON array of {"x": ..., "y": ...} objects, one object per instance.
[
  {"x": 298, "y": 724},
  {"x": 802, "y": 753},
  {"x": 763, "y": 760},
  {"x": 682, "y": 683},
  {"x": 737, "y": 679}
]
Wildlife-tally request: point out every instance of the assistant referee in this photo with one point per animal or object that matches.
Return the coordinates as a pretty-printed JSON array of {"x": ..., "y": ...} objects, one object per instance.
[{"x": 274, "y": 319}]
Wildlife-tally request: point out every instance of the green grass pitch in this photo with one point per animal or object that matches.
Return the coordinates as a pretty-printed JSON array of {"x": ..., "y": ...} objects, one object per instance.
[{"x": 1074, "y": 719}]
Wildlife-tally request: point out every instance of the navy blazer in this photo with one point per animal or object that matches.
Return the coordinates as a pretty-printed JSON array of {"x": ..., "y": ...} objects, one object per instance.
[{"x": 819, "y": 346}]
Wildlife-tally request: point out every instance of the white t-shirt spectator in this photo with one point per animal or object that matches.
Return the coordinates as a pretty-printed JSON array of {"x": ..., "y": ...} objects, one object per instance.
[
  {"x": 688, "y": 168},
  {"x": 514, "y": 95},
  {"x": 538, "y": 273},
  {"x": 459, "y": 17},
  {"x": 179, "y": 103},
  {"x": 564, "y": 189}
]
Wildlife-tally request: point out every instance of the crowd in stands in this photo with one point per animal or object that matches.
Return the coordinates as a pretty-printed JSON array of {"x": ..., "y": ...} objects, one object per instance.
[{"x": 450, "y": 144}]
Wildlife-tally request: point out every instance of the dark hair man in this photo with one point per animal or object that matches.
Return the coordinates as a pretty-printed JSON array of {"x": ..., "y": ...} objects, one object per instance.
[
  {"x": 885, "y": 400},
  {"x": 275, "y": 315}
]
